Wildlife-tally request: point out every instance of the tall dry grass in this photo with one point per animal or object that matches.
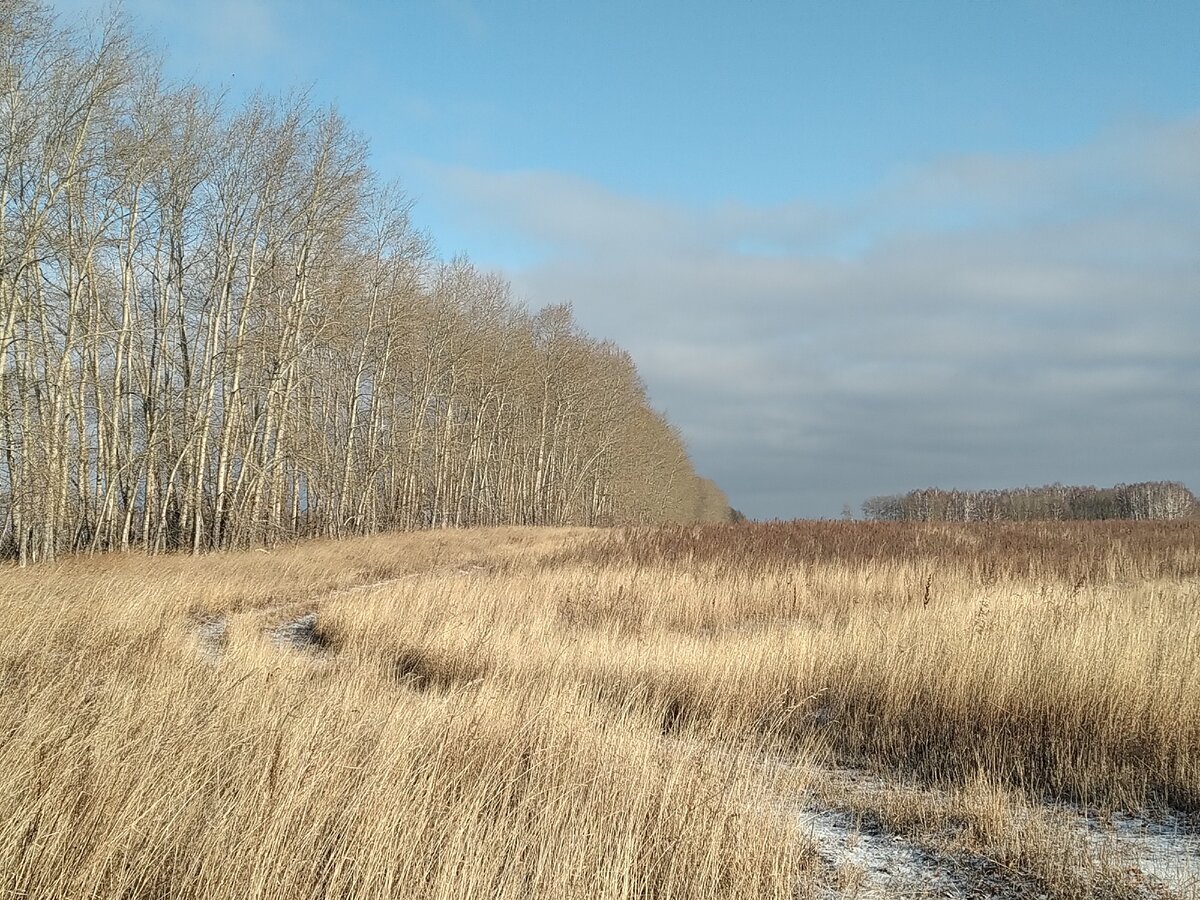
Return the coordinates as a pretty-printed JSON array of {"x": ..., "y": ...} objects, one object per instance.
[
  {"x": 538, "y": 713},
  {"x": 134, "y": 766},
  {"x": 1060, "y": 658}
]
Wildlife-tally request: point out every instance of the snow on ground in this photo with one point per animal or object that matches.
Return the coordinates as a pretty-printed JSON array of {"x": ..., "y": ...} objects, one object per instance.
[
  {"x": 869, "y": 864},
  {"x": 212, "y": 634},
  {"x": 1165, "y": 850},
  {"x": 298, "y": 634}
]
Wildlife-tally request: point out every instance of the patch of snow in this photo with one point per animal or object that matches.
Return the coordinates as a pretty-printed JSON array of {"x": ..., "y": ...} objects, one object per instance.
[
  {"x": 212, "y": 634},
  {"x": 298, "y": 634},
  {"x": 870, "y": 864},
  {"x": 1165, "y": 851}
]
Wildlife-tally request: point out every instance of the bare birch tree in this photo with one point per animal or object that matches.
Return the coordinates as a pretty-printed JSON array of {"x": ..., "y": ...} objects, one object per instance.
[{"x": 218, "y": 329}]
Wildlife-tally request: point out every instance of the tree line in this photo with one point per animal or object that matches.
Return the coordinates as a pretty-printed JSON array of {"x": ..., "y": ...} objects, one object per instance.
[
  {"x": 219, "y": 328},
  {"x": 1054, "y": 502}
]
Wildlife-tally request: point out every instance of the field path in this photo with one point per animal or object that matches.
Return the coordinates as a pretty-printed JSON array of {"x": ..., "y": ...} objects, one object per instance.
[{"x": 300, "y": 632}]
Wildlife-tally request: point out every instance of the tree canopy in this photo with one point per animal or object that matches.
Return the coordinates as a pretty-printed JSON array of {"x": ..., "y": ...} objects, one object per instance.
[{"x": 1144, "y": 500}]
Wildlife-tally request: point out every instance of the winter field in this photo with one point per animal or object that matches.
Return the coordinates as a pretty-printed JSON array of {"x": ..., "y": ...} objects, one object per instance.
[{"x": 750, "y": 711}]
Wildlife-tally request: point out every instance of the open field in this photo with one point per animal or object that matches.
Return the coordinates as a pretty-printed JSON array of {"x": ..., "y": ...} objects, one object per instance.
[{"x": 767, "y": 711}]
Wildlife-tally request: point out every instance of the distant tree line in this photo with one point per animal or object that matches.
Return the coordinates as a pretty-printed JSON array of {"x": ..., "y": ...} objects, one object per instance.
[
  {"x": 1054, "y": 502},
  {"x": 217, "y": 329}
]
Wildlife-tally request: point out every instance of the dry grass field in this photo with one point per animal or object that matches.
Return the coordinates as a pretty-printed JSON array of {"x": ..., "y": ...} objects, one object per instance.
[{"x": 753, "y": 711}]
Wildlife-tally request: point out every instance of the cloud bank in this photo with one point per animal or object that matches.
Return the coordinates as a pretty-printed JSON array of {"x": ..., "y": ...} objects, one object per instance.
[{"x": 978, "y": 322}]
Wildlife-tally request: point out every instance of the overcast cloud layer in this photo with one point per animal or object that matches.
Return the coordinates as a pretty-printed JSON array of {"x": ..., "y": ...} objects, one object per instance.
[
  {"x": 981, "y": 321},
  {"x": 986, "y": 321}
]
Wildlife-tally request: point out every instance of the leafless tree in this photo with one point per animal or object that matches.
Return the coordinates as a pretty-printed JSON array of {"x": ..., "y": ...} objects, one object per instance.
[{"x": 218, "y": 329}]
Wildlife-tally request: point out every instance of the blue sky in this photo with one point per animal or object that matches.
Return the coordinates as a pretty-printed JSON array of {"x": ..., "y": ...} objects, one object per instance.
[{"x": 855, "y": 247}]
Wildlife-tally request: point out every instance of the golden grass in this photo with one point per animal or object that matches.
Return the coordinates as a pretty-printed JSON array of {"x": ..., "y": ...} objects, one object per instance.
[
  {"x": 133, "y": 766},
  {"x": 528, "y": 713},
  {"x": 1072, "y": 672}
]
